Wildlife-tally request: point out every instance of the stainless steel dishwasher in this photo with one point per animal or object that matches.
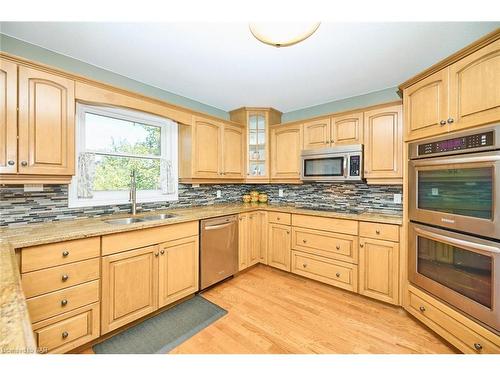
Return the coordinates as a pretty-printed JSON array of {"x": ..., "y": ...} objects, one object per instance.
[{"x": 218, "y": 250}]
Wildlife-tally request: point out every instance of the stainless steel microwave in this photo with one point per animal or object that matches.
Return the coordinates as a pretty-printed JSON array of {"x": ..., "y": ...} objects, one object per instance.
[{"x": 333, "y": 164}]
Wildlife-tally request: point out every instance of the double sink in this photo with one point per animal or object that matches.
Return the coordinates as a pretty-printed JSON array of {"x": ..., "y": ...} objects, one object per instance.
[{"x": 141, "y": 219}]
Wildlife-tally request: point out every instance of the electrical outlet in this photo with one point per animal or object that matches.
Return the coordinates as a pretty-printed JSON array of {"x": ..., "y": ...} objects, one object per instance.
[
  {"x": 397, "y": 198},
  {"x": 219, "y": 194},
  {"x": 281, "y": 193},
  {"x": 195, "y": 185},
  {"x": 32, "y": 188}
]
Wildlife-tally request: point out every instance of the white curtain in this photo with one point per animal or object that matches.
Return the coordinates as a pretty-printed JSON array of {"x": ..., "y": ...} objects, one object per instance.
[
  {"x": 86, "y": 174},
  {"x": 167, "y": 182}
]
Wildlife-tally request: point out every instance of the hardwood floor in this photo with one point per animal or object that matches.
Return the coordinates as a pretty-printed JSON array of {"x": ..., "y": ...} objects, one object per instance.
[{"x": 270, "y": 311}]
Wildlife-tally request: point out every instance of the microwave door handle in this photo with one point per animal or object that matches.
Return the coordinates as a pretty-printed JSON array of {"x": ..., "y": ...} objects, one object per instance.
[{"x": 345, "y": 166}]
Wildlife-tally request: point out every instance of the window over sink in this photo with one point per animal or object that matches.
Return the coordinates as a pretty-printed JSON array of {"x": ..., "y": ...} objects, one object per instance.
[{"x": 110, "y": 144}]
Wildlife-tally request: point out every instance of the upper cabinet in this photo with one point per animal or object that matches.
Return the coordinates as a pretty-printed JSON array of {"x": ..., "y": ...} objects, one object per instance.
[
  {"x": 37, "y": 125},
  {"x": 383, "y": 155},
  {"x": 462, "y": 95},
  {"x": 333, "y": 131},
  {"x": 211, "y": 150},
  {"x": 286, "y": 145},
  {"x": 257, "y": 151}
]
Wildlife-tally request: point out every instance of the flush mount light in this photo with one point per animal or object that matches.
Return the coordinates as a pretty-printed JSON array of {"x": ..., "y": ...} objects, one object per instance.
[{"x": 283, "y": 34}]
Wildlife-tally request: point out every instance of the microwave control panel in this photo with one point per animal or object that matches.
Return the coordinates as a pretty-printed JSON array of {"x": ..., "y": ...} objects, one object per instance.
[
  {"x": 354, "y": 165},
  {"x": 473, "y": 141}
]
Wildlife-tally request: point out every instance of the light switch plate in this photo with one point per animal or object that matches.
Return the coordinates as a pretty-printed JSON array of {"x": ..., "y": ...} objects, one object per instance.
[
  {"x": 397, "y": 198},
  {"x": 281, "y": 193},
  {"x": 32, "y": 188},
  {"x": 219, "y": 194}
]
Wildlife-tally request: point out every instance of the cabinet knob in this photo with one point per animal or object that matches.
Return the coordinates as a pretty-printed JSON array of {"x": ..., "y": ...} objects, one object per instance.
[
  {"x": 304, "y": 265},
  {"x": 377, "y": 231},
  {"x": 278, "y": 218},
  {"x": 157, "y": 254},
  {"x": 65, "y": 253},
  {"x": 24, "y": 163},
  {"x": 442, "y": 122},
  {"x": 162, "y": 252},
  {"x": 337, "y": 274},
  {"x": 337, "y": 247},
  {"x": 287, "y": 232},
  {"x": 478, "y": 346},
  {"x": 304, "y": 240},
  {"x": 361, "y": 245},
  {"x": 64, "y": 277},
  {"x": 11, "y": 162},
  {"x": 64, "y": 302},
  {"x": 450, "y": 120},
  {"x": 65, "y": 335},
  {"x": 422, "y": 308}
]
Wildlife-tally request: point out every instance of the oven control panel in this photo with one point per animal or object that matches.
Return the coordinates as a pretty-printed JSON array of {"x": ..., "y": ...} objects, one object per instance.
[
  {"x": 354, "y": 165},
  {"x": 473, "y": 141}
]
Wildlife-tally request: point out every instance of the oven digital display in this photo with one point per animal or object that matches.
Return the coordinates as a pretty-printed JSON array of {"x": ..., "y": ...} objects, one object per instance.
[{"x": 470, "y": 141}]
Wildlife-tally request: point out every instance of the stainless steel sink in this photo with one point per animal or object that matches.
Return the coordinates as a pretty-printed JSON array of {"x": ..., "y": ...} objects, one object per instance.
[
  {"x": 157, "y": 217},
  {"x": 124, "y": 220}
]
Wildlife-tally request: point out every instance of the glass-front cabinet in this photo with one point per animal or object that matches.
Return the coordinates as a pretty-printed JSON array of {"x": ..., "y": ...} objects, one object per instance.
[{"x": 257, "y": 121}]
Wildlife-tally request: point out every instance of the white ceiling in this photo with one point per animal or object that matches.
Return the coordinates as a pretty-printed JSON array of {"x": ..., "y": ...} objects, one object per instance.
[{"x": 222, "y": 65}]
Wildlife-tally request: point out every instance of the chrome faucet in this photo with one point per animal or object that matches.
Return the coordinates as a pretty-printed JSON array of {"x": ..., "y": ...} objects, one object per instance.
[{"x": 133, "y": 193}]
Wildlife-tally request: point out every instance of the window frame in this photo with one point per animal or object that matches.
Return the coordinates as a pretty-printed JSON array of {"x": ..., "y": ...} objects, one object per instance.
[{"x": 169, "y": 151}]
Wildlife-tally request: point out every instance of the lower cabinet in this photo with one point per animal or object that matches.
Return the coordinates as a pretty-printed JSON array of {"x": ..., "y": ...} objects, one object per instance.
[
  {"x": 279, "y": 246},
  {"x": 178, "y": 270},
  {"x": 379, "y": 269},
  {"x": 251, "y": 230},
  {"x": 243, "y": 241},
  {"x": 129, "y": 286}
]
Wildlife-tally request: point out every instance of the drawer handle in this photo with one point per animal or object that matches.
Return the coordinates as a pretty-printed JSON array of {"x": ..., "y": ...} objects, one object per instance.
[
  {"x": 305, "y": 241},
  {"x": 422, "y": 308},
  {"x": 478, "y": 346},
  {"x": 64, "y": 302},
  {"x": 65, "y": 335},
  {"x": 337, "y": 247},
  {"x": 377, "y": 231},
  {"x": 337, "y": 274},
  {"x": 64, "y": 277},
  {"x": 304, "y": 265},
  {"x": 162, "y": 252},
  {"x": 65, "y": 253}
]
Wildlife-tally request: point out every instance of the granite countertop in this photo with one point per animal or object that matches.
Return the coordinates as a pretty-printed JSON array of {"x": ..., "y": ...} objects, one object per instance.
[{"x": 15, "y": 327}]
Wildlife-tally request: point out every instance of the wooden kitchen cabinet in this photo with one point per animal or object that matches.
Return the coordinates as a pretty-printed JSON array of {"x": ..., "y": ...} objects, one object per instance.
[
  {"x": 383, "y": 155},
  {"x": 263, "y": 236},
  {"x": 178, "y": 269},
  {"x": 243, "y": 241},
  {"x": 233, "y": 152},
  {"x": 317, "y": 134},
  {"x": 46, "y": 123},
  {"x": 129, "y": 286},
  {"x": 8, "y": 117},
  {"x": 250, "y": 239},
  {"x": 379, "y": 269},
  {"x": 347, "y": 129},
  {"x": 280, "y": 246},
  {"x": 286, "y": 145}
]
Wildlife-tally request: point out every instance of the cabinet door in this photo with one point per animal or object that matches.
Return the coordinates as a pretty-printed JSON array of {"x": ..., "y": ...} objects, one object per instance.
[
  {"x": 233, "y": 152},
  {"x": 243, "y": 241},
  {"x": 129, "y": 286},
  {"x": 384, "y": 143},
  {"x": 279, "y": 251},
  {"x": 475, "y": 88},
  {"x": 178, "y": 270},
  {"x": 379, "y": 269},
  {"x": 207, "y": 146},
  {"x": 347, "y": 129},
  {"x": 8, "y": 117},
  {"x": 254, "y": 238},
  {"x": 426, "y": 106},
  {"x": 46, "y": 123},
  {"x": 286, "y": 144},
  {"x": 317, "y": 134},
  {"x": 263, "y": 237}
]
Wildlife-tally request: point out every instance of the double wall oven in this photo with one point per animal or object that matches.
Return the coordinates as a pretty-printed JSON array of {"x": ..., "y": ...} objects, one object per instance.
[{"x": 454, "y": 231}]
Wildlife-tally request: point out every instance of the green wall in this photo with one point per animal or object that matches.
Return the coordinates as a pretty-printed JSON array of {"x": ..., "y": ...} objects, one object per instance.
[
  {"x": 32, "y": 52},
  {"x": 372, "y": 98}
]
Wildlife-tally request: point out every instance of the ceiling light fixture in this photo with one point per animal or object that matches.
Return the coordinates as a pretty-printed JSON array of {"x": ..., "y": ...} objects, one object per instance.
[{"x": 283, "y": 34}]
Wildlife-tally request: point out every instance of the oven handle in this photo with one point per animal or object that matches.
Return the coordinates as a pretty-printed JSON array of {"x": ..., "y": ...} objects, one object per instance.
[
  {"x": 458, "y": 242},
  {"x": 490, "y": 157}
]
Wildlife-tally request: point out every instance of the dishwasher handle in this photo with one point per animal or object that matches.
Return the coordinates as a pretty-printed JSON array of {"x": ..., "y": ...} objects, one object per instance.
[{"x": 219, "y": 226}]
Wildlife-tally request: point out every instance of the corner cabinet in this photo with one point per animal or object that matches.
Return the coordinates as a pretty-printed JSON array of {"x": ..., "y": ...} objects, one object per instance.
[
  {"x": 251, "y": 230},
  {"x": 286, "y": 145},
  {"x": 256, "y": 122},
  {"x": 462, "y": 95},
  {"x": 383, "y": 154},
  {"x": 39, "y": 108},
  {"x": 211, "y": 151}
]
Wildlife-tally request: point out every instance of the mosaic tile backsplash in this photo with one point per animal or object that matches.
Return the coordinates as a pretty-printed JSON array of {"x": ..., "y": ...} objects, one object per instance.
[{"x": 18, "y": 207}]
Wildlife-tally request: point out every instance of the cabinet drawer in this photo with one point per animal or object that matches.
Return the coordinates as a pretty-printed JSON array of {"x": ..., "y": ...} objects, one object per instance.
[
  {"x": 48, "y": 305},
  {"x": 279, "y": 218},
  {"x": 68, "y": 331},
  {"x": 55, "y": 278},
  {"x": 339, "y": 274},
  {"x": 380, "y": 231},
  {"x": 451, "y": 325},
  {"x": 55, "y": 254},
  {"x": 326, "y": 223},
  {"x": 332, "y": 245}
]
